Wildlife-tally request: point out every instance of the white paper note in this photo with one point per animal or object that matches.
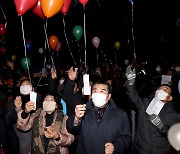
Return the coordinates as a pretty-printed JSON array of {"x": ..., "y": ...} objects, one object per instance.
[
  {"x": 154, "y": 107},
  {"x": 33, "y": 97},
  {"x": 86, "y": 88},
  {"x": 165, "y": 79}
]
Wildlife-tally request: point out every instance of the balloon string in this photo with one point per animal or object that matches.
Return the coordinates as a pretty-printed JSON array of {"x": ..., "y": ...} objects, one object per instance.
[
  {"x": 44, "y": 62},
  {"x": 4, "y": 42},
  {"x": 97, "y": 56},
  {"x": 45, "y": 30},
  {"x": 84, "y": 35},
  {"x": 98, "y": 3},
  {"x": 25, "y": 52},
  {"x": 115, "y": 57},
  {"x": 38, "y": 82},
  {"x": 45, "y": 50},
  {"x": 4, "y": 16},
  {"x": 133, "y": 29},
  {"x": 67, "y": 41},
  {"x": 79, "y": 54}
]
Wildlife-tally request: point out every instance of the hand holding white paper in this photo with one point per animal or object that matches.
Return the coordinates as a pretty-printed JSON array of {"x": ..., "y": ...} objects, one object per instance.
[{"x": 174, "y": 136}]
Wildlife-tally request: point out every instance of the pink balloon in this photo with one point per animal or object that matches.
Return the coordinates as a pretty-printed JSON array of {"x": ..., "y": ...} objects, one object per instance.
[
  {"x": 58, "y": 47},
  {"x": 96, "y": 42}
]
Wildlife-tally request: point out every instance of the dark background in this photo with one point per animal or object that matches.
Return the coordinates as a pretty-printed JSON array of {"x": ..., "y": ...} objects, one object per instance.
[{"x": 156, "y": 32}]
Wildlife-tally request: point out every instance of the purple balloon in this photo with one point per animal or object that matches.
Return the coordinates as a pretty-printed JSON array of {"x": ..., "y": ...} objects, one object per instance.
[
  {"x": 58, "y": 47},
  {"x": 96, "y": 42}
]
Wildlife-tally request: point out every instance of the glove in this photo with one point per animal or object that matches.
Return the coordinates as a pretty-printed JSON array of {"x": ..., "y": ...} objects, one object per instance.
[
  {"x": 130, "y": 75},
  {"x": 156, "y": 121}
]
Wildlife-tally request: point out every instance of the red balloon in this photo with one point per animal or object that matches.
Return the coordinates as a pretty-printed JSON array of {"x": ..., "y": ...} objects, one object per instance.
[
  {"x": 83, "y": 1},
  {"x": 53, "y": 41},
  {"x": 65, "y": 7},
  {"x": 3, "y": 50},
  {"x": 2, "y": 29},
  {"x": 38, "y": 10},
  {"x": 28, "y": 40},
  {"x": 23, "y": 5}
]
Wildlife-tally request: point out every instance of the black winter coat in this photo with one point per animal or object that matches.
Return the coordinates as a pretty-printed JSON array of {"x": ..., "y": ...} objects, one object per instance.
[
  {"x": 148, "y": 138},
  {"x": 114, "y": 127}
]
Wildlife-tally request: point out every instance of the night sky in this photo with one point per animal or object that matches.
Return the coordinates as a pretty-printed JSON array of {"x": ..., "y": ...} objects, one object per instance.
[{"x": 155, "y": 30}]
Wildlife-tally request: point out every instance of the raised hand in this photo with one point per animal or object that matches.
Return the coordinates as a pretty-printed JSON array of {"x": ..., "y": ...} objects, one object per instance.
[
  {"x": 53, "y": 73},
  {"x": 29, "y": 106},
  {"x": 79, "y": 111},
  {"x": 72, "y": 73},
  {"x": 18, "y": 102},
  {"x": 130, "y": 75}
]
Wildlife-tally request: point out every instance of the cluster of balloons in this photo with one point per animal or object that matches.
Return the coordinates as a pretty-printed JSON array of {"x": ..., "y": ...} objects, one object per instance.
[
  {"x": 44, "y": 8},
  {"x": 96, "y": 42},
  {"x": 54, "y": 43}
]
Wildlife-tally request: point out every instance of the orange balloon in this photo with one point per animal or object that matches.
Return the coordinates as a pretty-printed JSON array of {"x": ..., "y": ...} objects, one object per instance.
[
  {"x": 51, "y": 7},
  {"x": 53, "y": 41}
]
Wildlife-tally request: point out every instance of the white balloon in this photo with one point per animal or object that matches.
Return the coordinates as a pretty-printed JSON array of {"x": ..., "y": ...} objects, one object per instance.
[
  {"x": 126, "y": 62},
  {"x": 174, "y": 136},
  {"x": 41, "y": 50}
]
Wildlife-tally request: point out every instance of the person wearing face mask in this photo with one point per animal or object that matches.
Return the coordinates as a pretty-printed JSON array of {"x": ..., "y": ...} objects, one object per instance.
[
  {"x": 103, "y": 127},
  {"x": 21, "y": 140},
  {"x": 156, "y": 115},
  {"x": 48, "y": 125}
]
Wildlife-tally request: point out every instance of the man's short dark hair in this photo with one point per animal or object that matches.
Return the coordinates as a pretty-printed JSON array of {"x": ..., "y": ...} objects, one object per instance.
[{"x": 109, "y": 88}]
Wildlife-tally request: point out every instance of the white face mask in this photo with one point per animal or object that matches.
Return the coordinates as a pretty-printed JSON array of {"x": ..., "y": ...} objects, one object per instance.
[
  {"x": 177, "y": 69},
  {"x": 158, "y": 68},
  {"x": 99, "y": 99},
  {"x": 61, "y": 82},
  {"x": 25, "y": 90},
  {"x": 161, "y": 94},
  {"x": 49, "y": 106}
]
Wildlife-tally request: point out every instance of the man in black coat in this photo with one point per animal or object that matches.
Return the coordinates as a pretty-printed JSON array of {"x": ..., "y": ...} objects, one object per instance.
[
  {"x": 155, "y": 116},
  {"x": 103, "y": 127}
]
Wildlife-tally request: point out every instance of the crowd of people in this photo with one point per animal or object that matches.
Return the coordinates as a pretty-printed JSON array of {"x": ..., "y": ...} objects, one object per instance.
[{"x": 62, "y": 119}]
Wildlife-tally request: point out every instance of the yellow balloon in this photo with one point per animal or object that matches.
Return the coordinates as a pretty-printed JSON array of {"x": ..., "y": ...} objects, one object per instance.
[
  {"x": 13, "y": 57},
  {"x": 117, "y": 45},
  {"x": 51, "y": 7}
]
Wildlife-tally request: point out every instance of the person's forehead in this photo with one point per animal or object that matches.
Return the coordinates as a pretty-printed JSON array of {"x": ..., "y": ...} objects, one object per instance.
[
  {"x": 49, "y": 97},
  {"x": 166, "y": 88},
  {"x": 100, "y": 86},
  {"x": 26, "y": 82}
]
